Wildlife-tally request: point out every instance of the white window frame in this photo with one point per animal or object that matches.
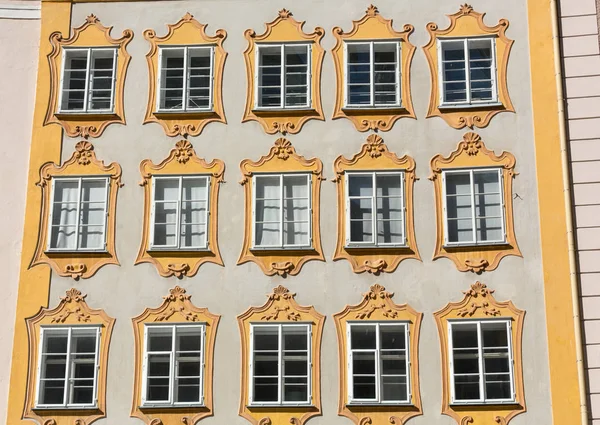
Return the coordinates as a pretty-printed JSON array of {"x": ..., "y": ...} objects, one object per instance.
[
  {"x": 494, "y": 73},
  {"x": 282, "y": 106},
  {"x": 86, "y": 109},
  {"x": 280, "y": 391},
  {"x": 78, "y": 179},
  {"x": 68, "y": 379},
  {"x": 281, "y": 244},
  {"x": 482, "y": 399},
  {"x": 177, "y": 246},
  {"x": 186, "y": 78},
  {"x": 173, "y": 365},
  {"x": 377, "y": 350},
  {"x": 374, "y": 243},
  {"x": 372, "y": 104},
  {"x": 474, "y": 242}
]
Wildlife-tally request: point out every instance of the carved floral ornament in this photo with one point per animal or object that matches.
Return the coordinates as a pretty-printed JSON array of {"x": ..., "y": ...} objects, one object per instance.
[
  {"x": 479, "y": 303},
  {"x": 284, "y": 29},
  {"x": 372, "y": 27},
  {"x": 72, "y": 310},
  {"x": 177, "y": 308},
  {"x": 186, "y": 32},
  {"x": 468, "y": 23},
  {"x": 377, "y": 306},
  {"x": 282, "y": 158},
  {"x": 74, "y": 264},
  {"x": 471, "y": 152},
  {"x": 375, "y": 156},
  {"x": 182, "y": 161},
  {"x": 91, "y": 34},
  {"x": 281, "y": 307}
]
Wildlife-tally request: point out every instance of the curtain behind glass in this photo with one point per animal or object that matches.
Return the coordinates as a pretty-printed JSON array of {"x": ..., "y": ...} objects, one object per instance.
[
  {"x": 267, "y": 219},
  {"x": 93, "y": 204},
  {"x": 64, "y": 215}
]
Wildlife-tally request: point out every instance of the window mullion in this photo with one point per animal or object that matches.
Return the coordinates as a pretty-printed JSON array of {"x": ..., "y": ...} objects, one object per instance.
[
  {"x": 408, "y": 362},
  {"x": 467, "y": 71},
  {"x": 96, "y": 366},
  {"x": 482, "y": 395},
  {"x": 104, "y": 222},
  {"x": 374, "y": 209},
  {"x": 88, "y": 75},
  {"x": 281, "y": 398},
  {"x": 186, "y": 76},
  {"x": 372, "y": 73},
  {"x": 173, "y": 366},
  {"x": 378, "y": 380},
  {"x": 179, "y": 213},
  {"x": 207, "y": 211},
  {"x": 282, "y": 62},
  {"x": 473, "y": 210},
  {"x": 398, "y": 74},
  {"x": 67, "y": 369},
  {"x": 113, "y": 80},
  {"x": 211, "y": 80},
  {"x": 451, "y": 362},
  {"x": 281, "y": 223},
  {"x": 79, "y": 218}
]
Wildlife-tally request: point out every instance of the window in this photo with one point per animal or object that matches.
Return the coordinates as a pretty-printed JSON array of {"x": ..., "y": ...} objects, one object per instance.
[
  {"x": 474, "y": 200},
  {"x": 68, "y": 367},
  {"x": 180, "y": 212},
  {"x": 88, "y": 80},
  {"x": 282, "y": 210},
  {"x": 78, "y": 214},
  {"x": 185, "y": 78},
  {"x": 280, "y": 365},
  {"x": 173, "y": 365},
  {"x": 468, "y": 71},
  {"x": 481, "y": 362},
  {"x": 283, "y": 76},
  {"x": 375, "y": 209},
  {"x": 372, "y": 74},
  {"x": 378, "y": 363}
]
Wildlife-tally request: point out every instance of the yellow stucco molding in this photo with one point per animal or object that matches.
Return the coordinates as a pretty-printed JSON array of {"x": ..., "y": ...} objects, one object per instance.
[
  {"x": 479, "y": 303},
  {"x": 91, "y": 34},
  {"x": 284, "y": 29},
  {"x": 373, "y": 27},
  {"x": 182, "y": 161},
  {"x": 176, "y": 308},
  {"x": 282, "y": 158},
  {"x": 281, "y": 307},
  {"x": 186, "y": 32},
  {"x": 468, "y": 23},
  {"x": 471, "y": 152},
  {"x": 78, "y": 264},
  {"x": 72, "y": 310},
  {"x": 375, "y": 156},
  {"x": 377, "y": 306}
]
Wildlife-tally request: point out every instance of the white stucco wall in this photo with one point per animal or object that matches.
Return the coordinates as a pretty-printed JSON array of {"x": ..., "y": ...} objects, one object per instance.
[
  {"x": 19, "y": 46},
  {"x": 427, "y": 286}
]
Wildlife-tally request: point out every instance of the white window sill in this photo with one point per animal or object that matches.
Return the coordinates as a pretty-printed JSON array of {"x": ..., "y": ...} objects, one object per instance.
[
  {"x": 183, "y": 111},
  {"x": 175, "y": 249},
  {"x": 379, "y": 404},
  {"x": 61, "y": 407},
  {"x": 483, "y": 403},
  {"x": 370, "y": 107},
  {"x": 474, "y": 244},
  {"x": 307, "y": 108},
  {"x": 76, "y": 251},
  {"x": 279, "y": 405},
  {"x": 370, "y": 246},
  {"x": 282, "y": 248},
  {"x": 469, "y": 105},
  {"x": 90, "y": 112},
  {"x": 170, "y": 405}
]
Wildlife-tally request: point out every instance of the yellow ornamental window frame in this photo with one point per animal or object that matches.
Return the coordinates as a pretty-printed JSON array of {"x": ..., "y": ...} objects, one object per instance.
[
  {"x": 89, "y": 35},
  {"x": 177, "y": 308},
  {"x": 479, "y": 304},
  {"x": 182, "y": 161},
  {"x": 284, "y": 29},
  {"x": 377, "y": 307},
  {"x": 282, "y": 159},
  {"x": 281, "y": 307},
  {"x": 373, "y": 27},
  {"x": 72, "y": 311},
  {"x": 466, "y": 23},
  {"x": 471, "y": 153},
  {"x": 73, "y": 263},
  {"x": 187, "y": 32},
  {"x": 374, "y": 156}
]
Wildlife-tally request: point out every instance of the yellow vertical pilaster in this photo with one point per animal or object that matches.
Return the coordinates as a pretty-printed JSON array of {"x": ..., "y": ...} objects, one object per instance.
[{"x": 34, "y": 284}]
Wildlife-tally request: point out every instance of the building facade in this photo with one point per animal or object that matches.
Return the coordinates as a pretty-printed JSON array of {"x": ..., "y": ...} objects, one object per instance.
[{"x": 329, "y": 211}]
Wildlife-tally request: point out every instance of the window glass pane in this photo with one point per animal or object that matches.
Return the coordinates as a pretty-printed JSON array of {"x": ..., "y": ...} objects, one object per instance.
[
  {"x": 166, "y": 189},
  {"x": 188, "y": 363},
  {"x": 267, "y": 213},
  {"x": 193, "y": 212},
  {"x": 296, "y": 210},
  {"x": 266, "y": 363},
  {"x": 160, "y": 339},
  {"x": 101, "y": 79},
  {"x": 360, "y": 185},
  {"x": 453, "y": 71},
  {"x": 166, "y": 194},
  {"x": 363, "y": 375},
  {"x": 359, "y": 73},
  {"x": 171, "y": 78},
  {"x": 465, "y": 358},
  {"x": 488, "y": 206},
  {"x": 459, "y": 207},
  {"x": 295, "y": 363},
  {"x": 52, "y": 392},
  {"x": 392, "y": 337},
  {"x": 363, "y": 337},
  {"x": 74, "y": 77},
  {"x": 91, "y": 232},
  {"x": 64, "y": 214},
  {"x": 394, "y": 388},
  {"x": 361, "y": 209},
  {"x": 269, "y": 76},
  {"x": 390, "y": 212},
  {"x": 385, "y": 73},
  {"x": 199, "y": 81},
  {"x": 53, "y": 366},
  {"x": 296, "y": 75},
  {"x": 496, "y": 360},
  {"x": 159, "y": 371},
  {"x": 480, "y": 69}
]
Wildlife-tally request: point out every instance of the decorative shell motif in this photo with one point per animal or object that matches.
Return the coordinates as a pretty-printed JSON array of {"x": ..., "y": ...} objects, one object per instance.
[
  {"x": 283, "y": 148},
  {"x": 465, "y": 9},
  {"x": 73, "y": 295},
  {"x": 284, "y": 13},
  {"x": 375, "y": 146},
  {"x": 177, "y": 293},
  {"x": 281, "y": 292},
  {"x": 377, "y": 291},
  {"x": 472, "y": 143},
  {"x": 183, "y": 151},
  {"x": 84, "y": 152},
  {"x": 372, "y": 10}
]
